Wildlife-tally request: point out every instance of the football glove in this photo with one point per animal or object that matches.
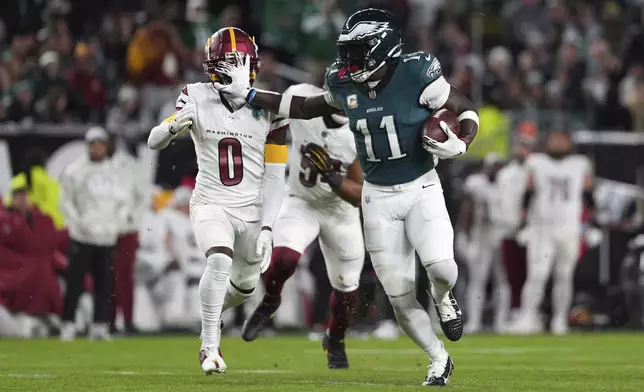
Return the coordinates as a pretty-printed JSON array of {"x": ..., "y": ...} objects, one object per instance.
[
  {"x": 450, "y": 148},
  {"x": 235, "y": 93},
  {"x": 183, "y": 119},
  {"x": 317, "y": 156},
  {"x": 264, "y": 248}
]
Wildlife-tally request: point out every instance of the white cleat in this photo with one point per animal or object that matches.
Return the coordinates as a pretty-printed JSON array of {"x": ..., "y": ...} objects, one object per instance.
[
  {"x": 68, "y": 332},
  {"x": 387, "y": 330},
  {"x": 559, "y": 327},
  {"x": 439, "y": 372},
  {"x": 211, "y": 361},
  {"x": 99, "y": 331},
  {"x": 526, "y": 325}
]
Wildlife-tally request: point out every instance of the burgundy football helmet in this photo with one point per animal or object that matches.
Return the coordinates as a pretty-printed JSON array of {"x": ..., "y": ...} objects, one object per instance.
[{"x": 222, "y": 46}]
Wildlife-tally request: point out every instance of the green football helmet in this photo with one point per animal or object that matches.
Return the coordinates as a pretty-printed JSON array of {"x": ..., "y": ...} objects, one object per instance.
[{"x": 369, "y": 39}]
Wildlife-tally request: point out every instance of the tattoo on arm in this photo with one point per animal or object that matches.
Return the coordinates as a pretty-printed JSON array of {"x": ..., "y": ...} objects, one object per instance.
[{"x": 459, "y": 103}]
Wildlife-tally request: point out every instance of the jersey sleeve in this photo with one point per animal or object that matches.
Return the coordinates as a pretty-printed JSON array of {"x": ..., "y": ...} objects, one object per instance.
[
  {"x": 182, "y": 99},
  {"x": 436, "y": 88},
  {"x": 277, "y": 125},
  {"x": 332, "y": 80}
]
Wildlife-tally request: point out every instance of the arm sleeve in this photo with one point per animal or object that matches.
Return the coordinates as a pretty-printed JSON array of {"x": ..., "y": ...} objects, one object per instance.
[
  {"x": 437, "y": 89},
  {"x": 273, "y": 188}
]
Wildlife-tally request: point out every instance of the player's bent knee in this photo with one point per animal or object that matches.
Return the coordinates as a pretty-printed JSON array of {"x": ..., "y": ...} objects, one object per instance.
[
  {"x": 218, "y": 261},
  {"x": 443, "y": 272},
  {"x": 219, "y": 249},
  {"x": 396, "y": 286},
  {"x": 345, "y": 283}
]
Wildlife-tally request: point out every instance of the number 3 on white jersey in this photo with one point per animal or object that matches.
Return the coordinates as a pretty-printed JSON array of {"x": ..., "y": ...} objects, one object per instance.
[{"x": 388, "y": 124}]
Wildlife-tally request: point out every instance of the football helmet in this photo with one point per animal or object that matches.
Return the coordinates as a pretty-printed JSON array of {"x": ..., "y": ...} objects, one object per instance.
[
  {"x": 369, "y": 39},
  {"x": 223, "y": 45}
]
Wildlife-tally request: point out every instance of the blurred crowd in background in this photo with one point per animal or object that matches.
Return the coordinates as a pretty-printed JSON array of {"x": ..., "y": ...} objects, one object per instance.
[
  {"x": 66, "y": 61},
  {"x": 121, "y": 63}
]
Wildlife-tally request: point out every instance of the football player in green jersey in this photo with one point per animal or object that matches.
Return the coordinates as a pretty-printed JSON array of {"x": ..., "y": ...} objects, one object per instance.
[{"x": 387, "y": 96}]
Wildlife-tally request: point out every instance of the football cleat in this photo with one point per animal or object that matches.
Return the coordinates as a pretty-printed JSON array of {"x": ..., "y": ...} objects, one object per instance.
[
  {"x": 99, "y": 331},
  {"x": 450, "y": 317},
  {"x": 211, "y": 361},
  {"x": 335, "y": 352},
  {"x": 439, "y": 372},
  {"x": 258, "y": 320}
]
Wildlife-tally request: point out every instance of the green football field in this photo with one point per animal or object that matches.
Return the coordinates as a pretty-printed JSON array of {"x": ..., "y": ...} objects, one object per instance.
[{"x": 581, "y": 362}]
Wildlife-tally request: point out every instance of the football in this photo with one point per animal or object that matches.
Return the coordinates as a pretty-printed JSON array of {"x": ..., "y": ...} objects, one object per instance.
[{"x": 432, "y": 129}]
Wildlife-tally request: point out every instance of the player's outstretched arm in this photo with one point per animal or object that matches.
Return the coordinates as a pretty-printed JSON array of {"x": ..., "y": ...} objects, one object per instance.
[
  {"x": 349, "y": 188},
  {"x": 292, "y": 106}
]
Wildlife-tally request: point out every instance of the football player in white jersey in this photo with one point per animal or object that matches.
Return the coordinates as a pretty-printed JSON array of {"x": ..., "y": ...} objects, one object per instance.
[
  {"x": 559, "y": 184},
  {"x": 511, "y": 182},
  {"x": 320, "y": 203},
  {"x": 183, "y": 248},
  {"x": 483, "y": 245},
  {"x": 240, "y": 185}
]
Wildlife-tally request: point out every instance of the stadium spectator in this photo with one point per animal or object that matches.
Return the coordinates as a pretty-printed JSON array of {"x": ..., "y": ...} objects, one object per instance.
[
  {"x": 92, "y": 202},
  {"x": 43, "y": 190},
  {"x": 30, "y": 238},
  {"x": 84, "y": 80},
  {"x": 321, "y": 25},
  {"x": 126, "y": 111}
]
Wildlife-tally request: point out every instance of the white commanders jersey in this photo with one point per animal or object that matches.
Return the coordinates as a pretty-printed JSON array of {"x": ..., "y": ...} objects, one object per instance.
[
  {"x": 303, "y": 180},
  {"x": 230, "y": 151},
  {"x": 559, "y": 187},
  {"x": 511, "y": 182},
  {"x": 484, "y": 193}
]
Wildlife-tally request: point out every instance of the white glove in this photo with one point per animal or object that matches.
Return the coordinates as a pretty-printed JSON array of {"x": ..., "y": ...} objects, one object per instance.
[
  {"x": 235, "y": 93},
  {"x": 264, "y": 248},
  {"x": 183, "y": 119},
  {"x": 523, "y": 236},
  {"x": 450, "y": 148},
  {"x": 593, "y": 236}
]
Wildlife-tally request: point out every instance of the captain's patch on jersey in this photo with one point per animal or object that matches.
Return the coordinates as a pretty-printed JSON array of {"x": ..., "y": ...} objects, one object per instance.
[{"x": 352, "y": 101}]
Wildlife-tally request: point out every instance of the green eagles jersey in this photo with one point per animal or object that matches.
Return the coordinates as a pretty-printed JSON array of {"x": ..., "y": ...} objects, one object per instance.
[{"x": 387, "y": 121}]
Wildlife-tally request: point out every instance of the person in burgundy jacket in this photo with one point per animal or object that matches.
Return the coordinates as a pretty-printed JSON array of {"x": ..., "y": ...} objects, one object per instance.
[{"x": 29, "y": 259}]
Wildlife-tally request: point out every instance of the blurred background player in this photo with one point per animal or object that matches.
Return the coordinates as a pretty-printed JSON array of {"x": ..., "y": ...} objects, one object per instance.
[
  {"x": 189, "y": 260},
  {"x": 239, "y": 188},
  {"x": 324, "y": 189},
  {"x": 560, "y": 183},
  {"x": 134, "y": 196},
  {"x": 483, "y": 241},
  {"x": 93, "y": 206},
  {"x": 511, "y": 182}
]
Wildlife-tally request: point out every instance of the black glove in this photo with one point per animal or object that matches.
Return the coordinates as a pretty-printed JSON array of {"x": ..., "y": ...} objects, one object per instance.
[{"x": 318, "y": 157}]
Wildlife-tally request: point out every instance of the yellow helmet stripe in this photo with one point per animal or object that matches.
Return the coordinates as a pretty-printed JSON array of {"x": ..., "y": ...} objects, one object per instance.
[{"x": 233, "y": 42}]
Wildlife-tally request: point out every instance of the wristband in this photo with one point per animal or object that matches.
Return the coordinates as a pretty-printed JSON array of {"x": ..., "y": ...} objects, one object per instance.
[
  {"x": 266, "y": 228},
  {"x": 335, "y": 180},
  {"x": 251, "y": 95}
]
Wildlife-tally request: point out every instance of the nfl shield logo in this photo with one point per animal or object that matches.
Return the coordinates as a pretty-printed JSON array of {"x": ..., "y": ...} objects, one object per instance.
[
  {"x": 372, "y": 94},
  {"x": 352, "y": 101}
]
